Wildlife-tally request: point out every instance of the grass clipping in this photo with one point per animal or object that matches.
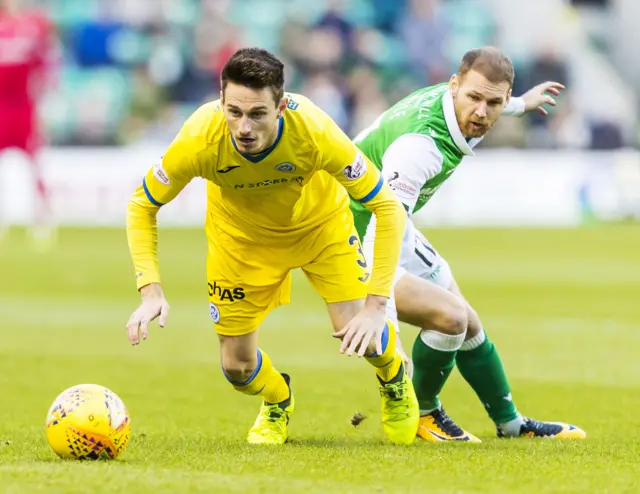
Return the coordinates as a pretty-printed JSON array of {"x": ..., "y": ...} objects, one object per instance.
[{"x": 357, "y": 419}]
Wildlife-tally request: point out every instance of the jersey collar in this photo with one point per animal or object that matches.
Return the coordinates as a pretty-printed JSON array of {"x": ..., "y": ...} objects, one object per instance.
[
  {"x": 454, "y": 128},
  {"x": 255, "y": 158}
]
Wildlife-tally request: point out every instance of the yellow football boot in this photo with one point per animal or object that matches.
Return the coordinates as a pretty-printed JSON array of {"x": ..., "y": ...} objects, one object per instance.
[
  {"x": 400, "y": 410},
  {"x": 271, "y": 425},
  {"x": 437, "y": 426}
]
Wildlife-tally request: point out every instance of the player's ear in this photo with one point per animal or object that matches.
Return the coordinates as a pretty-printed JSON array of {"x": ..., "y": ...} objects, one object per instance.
[
  {"x": 508, "y": 97},
  {"x": 282, "y": 106},
  {"x": 454, "y": 84},
  {"x": 221, "y": 97}
]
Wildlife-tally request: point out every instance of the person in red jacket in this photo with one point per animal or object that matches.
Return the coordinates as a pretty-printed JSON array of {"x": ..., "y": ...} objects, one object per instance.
[{"x": 27, "y": 50}]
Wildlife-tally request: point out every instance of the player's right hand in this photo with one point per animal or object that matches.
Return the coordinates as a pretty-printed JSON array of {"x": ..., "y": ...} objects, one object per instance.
[
  {"x": 153, "y": 305},
  {"x": 365, "y": 327},
  {"x": 537, "y": 96}
]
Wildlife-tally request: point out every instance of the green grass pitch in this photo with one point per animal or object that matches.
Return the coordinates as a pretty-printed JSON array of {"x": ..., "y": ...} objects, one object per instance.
[{"x": 561, "y": 305}]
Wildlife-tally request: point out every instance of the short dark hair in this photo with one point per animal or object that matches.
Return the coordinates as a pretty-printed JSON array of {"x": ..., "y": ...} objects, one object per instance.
[
  {"x": 255, "y": 68},
  {"x": 490, "y": 62}
]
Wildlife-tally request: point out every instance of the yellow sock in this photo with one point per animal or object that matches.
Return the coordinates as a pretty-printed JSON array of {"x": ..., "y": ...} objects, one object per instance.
[
  {"x": 388, "y": 364},
  {"x": 265, "y": 381}
]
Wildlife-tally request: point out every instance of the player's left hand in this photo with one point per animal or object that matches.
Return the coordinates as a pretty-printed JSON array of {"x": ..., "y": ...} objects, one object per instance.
[
  {"x": 153, "y": 305},
  {"x": 367, "y": 326},
  {"x": 537, "y": 96}
]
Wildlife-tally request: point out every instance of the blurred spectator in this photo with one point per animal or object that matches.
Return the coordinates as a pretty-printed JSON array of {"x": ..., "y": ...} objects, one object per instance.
[
  {"x": 133, "y": 69},
  {"x": 368, "y": 101},
  {"x": 606, "y": 135},
  {"x": 424, "y": 31},
  {"x": 93, "y": 41},
  {"x": 146, "y": 105},
  {"x": 323, "y": 50},
  {"x": 335, "y": 19},
  {"x": 387, "y": 14},
  {"x": 324, "y": 92},
  {"x": 569, "y": 126},
  {"x": 546, "y": 65}
]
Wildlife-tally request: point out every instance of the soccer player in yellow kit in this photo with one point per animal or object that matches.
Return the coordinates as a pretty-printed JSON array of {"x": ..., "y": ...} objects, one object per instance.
[{"x": 278, "y": 172}]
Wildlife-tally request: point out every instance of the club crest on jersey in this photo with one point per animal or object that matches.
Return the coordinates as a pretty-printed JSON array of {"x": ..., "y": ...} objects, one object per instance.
[
  {"x": 160, "y": 175},
  {"x": 214, "y": 312},
  {"x": 285, "y": 167},
  {"x": 356, "y": 169}
]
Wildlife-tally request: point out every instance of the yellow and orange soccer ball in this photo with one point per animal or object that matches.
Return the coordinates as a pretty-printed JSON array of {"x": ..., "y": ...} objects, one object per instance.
[{"x": 88, "y": 422}]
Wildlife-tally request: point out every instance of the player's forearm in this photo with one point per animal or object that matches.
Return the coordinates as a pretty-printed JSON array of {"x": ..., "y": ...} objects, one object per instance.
[
  {"x": 390, "y": 224},
  {"x": 142, "y": 236}
]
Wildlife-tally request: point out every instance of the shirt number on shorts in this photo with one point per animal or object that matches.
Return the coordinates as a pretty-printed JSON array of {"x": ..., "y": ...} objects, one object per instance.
[{"x": 362, "y": 261}]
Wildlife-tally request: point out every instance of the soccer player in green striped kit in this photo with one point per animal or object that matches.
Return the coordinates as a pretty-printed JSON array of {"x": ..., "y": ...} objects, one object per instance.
[{"x": 417, "y": 144}]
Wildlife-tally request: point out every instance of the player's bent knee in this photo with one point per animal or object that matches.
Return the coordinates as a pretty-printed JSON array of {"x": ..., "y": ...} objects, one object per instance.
[
  {"x": 238, "y": 371},
  {"x": 238, "y": 356},
  {"x": 239, "y": 366},
  {"x": 453, "y": 319},
  {"x": 474, "y": 326}
]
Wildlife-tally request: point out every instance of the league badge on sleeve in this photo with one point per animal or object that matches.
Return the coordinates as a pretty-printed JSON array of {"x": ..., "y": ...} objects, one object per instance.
[
  {"x": 356, "y": 169},
  {"x": 292, "y": 105},
  {"x": 160, "y": 175}
]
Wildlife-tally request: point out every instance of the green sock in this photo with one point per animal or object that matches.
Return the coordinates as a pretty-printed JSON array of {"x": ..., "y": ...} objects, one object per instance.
[
  {"x": 434, "y": 357},
  {"x": 479, "y": 363}
]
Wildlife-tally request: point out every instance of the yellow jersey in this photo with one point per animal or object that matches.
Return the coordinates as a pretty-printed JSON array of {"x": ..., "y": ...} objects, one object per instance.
[{"x": 277, "y": 196}]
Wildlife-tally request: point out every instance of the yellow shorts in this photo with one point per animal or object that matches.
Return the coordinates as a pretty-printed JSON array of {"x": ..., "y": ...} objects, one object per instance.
[{"x": 245, "y": 281}]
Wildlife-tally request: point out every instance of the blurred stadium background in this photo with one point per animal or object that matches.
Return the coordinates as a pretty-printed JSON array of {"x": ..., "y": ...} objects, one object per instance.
[
  {"x": 130, "y": 72},
  {"x": 133, "y": 69}
]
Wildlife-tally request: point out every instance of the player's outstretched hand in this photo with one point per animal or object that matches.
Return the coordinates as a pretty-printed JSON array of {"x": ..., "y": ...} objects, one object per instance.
[
  {"x": 537, "y": 96},
  {"x": 367, "y": 326},
  {"x": 153, "y": 305}
]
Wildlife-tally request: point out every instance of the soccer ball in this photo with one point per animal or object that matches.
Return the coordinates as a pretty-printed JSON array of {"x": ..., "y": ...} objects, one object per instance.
[{"x": 88, "y": 422}]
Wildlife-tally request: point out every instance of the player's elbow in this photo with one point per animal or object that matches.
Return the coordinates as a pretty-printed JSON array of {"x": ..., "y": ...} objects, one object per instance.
[
  {"x": 140, "y": 212},
  {"x": 394, "y": 209},
  {"x": 390, "y": 214},
  {"x": 135, "y": 207},
  {"x": 398, "y": 208},
  {"x": 140, "y": 202},
  {"x": 385, "y": 202}
]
